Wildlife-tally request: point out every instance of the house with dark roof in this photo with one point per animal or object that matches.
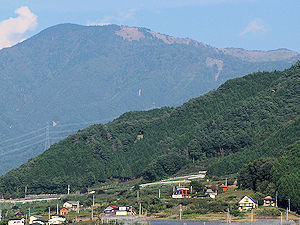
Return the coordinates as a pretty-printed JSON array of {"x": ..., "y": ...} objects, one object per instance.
[{"x": 19, "y": 214}]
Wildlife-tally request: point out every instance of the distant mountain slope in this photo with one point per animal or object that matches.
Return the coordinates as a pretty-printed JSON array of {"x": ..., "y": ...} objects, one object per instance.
[
  {"x": 71, "y": 73},
  {"x": 244, "y": 114}
]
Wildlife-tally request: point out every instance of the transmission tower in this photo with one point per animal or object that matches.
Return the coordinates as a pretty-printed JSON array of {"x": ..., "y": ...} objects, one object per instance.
[{"x": 47, "y": 141}]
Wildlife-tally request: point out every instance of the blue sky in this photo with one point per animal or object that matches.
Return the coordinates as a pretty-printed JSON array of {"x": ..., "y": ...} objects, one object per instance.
[{"x": 249, "y": 24}]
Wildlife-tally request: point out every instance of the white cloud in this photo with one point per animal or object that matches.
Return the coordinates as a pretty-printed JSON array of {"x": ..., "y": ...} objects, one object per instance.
[
  {"x": 12, "y": 29},
  {"x": 118, "y": 19},
  {"x": 255, "y": 26}
]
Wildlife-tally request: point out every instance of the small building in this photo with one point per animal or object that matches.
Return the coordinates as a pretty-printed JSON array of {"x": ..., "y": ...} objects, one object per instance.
[
  {"x": 269, "y": 201},
  {"x": 124, "y": 211},
  {"x": 37, "y": 220},
  {"x": 181, "y": 192},
  {"x": 63, "y": 211},
  {"x": 19, "y": 214},
  {"x": 223, "y": 187},
  {"x": 118, "y": 211},
  {"x": 247, "y": 203},
  {"x": 57, "y": 219},
  {"x": 16, "y": 222},
  {"x": 111, "y": 210},
  {"x": 211, "y": 193},
  {"x": 71, "y": 205}
]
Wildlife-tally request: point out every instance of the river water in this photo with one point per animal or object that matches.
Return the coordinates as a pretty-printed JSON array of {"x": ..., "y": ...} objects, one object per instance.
[{"x": 182, "y": 222}]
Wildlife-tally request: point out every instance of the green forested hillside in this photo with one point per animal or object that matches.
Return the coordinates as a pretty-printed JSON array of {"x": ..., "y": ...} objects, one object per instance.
[
  {"x": 70, "y": 74},
  {"x": 247, "y": 118},
  {"x": 281, "y": 174}
]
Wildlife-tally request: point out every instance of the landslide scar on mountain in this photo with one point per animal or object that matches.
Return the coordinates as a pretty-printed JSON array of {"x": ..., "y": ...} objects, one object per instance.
[
  {"x": 130, "y": 33},
  {"x": 210, "y": 62},
  {"x": 169, "y": 39}
]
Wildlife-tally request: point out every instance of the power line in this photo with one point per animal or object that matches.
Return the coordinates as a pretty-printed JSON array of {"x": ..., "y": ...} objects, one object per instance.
[
  {"x": 28, "y": 139},
  {"x": 47, "y": 136},
  {"x": 22, "y": 141},
  {"x": 57, "y": 138},
  {"x": 63, "y": 131},
  {"x": 24, "y": 135},
  {"x": 87, "y": 122},
  {"x": 17, "y": 149}
]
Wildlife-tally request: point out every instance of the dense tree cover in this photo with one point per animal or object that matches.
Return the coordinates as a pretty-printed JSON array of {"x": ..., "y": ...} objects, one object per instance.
[
  {"x": 71, "y": 73},
  {"x": 243, "y": 116},
  {"x": 257, "y": 176},
  {"x": 282, "y": 174}
]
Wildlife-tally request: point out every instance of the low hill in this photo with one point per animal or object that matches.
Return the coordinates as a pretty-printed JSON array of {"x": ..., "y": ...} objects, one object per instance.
[
  {"x": 242, "y": 115},
  {"x": 77, "y": 74}
]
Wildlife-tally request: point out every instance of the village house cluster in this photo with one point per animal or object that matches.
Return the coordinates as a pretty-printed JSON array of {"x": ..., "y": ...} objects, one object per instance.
[{"x": 57, "y": 218}]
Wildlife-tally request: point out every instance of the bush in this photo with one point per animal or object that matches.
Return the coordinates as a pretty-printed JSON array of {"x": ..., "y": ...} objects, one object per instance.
[{"x": 269, "y": 212}]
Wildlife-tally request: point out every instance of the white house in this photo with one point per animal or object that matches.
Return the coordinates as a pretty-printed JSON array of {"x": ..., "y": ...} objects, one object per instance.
[
  {"x": 16, "y": 222},
  {"x": 247, "y": 203},
  {"x": 71, "y": 205},
  {"x": 211, "y": 193},
  {"x": 37, "y": 219}
]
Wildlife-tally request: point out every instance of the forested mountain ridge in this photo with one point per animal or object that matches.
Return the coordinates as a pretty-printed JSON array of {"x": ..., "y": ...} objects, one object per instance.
[
  {"x": 240, "y": 116},
  {"x": 70, "y": 74}
]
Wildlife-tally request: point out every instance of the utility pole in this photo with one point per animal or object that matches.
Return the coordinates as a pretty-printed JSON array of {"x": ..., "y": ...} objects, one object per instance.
[
  {"x": 158, "y": 193},
  {"x": 251, "y": 216},
  {"x": 49, "y": 212},
  {"x": 25, "y": 191},
  {"x": 57, "y": 209},
  {"x": 180, "y": 210},
  {"x": 140, "y": 209},
  {"x": 280, "y": 218},
  {"x": 228, "y": 220},
  {"x": 226, "y": 181},
  {"x": 289, "y": 200},
  {"x": 276, "y": 199},
  {"x": 68, "y": 189},
  {"x": 138, "y": 195},
  {"x": 93, "y": 207},
  {"x": 287, "y": 214}
]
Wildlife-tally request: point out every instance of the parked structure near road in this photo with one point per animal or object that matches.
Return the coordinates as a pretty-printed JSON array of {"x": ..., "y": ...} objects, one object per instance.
[{"x": 247, "y": 203}]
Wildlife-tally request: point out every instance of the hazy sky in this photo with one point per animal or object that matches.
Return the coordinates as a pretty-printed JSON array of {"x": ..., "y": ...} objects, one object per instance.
[{"x": 249, "y": 24}]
